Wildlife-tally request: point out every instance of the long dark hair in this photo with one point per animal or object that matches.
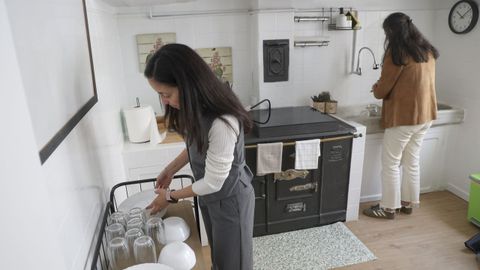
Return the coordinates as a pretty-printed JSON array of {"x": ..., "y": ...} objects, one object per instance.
[
  {"x": 200, "y": 92},
  {"x": 403, "y": 39}
]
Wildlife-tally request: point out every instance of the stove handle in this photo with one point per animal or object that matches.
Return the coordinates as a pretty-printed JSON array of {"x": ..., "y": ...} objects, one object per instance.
[
  {"x": 357, "y": 135},
  {"x": 309, "y": 186},
  {"x": 290, "y": 174},
  {"x": 263, "y": 196}
]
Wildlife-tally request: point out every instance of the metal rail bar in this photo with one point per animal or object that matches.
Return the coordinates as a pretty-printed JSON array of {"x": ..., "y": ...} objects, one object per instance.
[{"x": 321, "y": 140}]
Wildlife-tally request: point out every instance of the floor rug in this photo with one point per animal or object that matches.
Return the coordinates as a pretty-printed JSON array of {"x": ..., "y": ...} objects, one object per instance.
[{"x": 324, "y": 247}]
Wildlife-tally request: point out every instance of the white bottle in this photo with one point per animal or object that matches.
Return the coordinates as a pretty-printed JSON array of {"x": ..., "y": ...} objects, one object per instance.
[{"x": 341, "y": 20}]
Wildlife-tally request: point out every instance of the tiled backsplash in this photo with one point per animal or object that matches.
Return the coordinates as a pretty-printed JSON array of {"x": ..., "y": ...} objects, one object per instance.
[{"x": 312, "y": 69}]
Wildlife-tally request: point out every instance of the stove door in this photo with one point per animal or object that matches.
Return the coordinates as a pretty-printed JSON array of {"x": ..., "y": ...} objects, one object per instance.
[{"x": 293, "y": 196}]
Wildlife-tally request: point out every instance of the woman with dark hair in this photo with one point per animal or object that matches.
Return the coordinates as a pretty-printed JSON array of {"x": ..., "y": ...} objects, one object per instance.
[
  {"x": 212, "y": 121},
  {"x": 407, "y": 88}
]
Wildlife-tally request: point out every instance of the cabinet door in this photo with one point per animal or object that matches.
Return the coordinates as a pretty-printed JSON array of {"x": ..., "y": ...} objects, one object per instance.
[
  {"x": 372, "y": 165},
  {"x": 432, "y": 160},
  {"x": 336, "y": 156},
  {"x": 431, "y": 163}
]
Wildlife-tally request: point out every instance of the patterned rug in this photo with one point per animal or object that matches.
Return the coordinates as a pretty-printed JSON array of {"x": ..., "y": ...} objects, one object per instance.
[{"x": 324, "y": 247}]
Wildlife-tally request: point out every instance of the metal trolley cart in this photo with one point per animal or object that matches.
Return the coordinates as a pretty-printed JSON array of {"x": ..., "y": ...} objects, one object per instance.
[{"x": 119, "y": 193}]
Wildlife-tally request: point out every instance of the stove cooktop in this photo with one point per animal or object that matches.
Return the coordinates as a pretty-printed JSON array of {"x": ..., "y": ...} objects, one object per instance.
[{"x": 289, "y": 121}]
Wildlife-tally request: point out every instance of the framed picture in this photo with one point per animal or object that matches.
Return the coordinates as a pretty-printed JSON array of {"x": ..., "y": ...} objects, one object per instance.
[
  {"x": 220, "y": 61},
  {"x": 148, "y": 44},
  {"x": 54, "y": 54}
]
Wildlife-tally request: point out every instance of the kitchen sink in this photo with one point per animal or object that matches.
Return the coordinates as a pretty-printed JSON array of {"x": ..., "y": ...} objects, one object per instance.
[
  {"x": 446, "y": 114},
  {"x": 441, "y": 107}
]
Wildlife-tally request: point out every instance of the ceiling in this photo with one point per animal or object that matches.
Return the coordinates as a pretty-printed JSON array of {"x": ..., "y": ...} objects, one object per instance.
[{"x": 137, "y": 3}]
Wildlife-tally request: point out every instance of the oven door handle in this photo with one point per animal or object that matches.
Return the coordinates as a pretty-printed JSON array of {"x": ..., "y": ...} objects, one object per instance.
[{"x": 309, "y": 186}]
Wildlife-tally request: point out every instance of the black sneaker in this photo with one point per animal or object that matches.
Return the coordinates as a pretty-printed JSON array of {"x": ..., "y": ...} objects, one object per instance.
[
  {"x": 406, "y": 210},
  {"x": 376, "y": 211}
]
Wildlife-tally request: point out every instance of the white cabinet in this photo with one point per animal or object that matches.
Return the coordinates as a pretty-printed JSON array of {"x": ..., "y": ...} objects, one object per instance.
[
  {"x": 432, "y": 158},
  {"x": 371, "y": 177},
  {"x": 145, "y": 160}
]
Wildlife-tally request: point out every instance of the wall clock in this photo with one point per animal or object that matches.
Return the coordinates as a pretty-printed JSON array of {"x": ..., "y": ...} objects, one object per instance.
[{"x": 463, "y": 16}]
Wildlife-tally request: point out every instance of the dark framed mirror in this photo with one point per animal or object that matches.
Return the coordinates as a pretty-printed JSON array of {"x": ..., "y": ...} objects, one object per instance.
[{"x": 53, "y": 48}]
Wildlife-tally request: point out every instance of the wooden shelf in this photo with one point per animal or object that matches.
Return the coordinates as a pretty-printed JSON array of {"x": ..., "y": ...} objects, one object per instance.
[
  {"x": 311, "y": 18},
  {"x": 310, "y": 43}
]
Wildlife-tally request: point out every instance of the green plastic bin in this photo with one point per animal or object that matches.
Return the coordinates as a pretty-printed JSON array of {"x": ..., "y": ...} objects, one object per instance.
[{"x": 474, "y": 200}]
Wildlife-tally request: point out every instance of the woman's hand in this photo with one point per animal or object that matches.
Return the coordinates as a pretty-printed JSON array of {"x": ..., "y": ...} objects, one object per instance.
[
  {"x": 164, "y": 179},
  {"x": 159, "y": 202}
]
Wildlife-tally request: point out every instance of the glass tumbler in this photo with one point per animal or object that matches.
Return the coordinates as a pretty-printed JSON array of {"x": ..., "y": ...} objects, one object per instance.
[
  {"x": 118, "y": 217},
  {"x": 152, "y": 229},
  {"x": 131, "y": 235},
  {"x": 114, "y": 230},
  {"x": 144, "y": 250},
  {"x": 137, "y": 212},
  {"x": 135, "y": 223},
  {"x": 118, "y": 253}
]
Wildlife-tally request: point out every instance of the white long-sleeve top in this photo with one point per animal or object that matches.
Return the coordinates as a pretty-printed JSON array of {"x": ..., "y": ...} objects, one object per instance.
[{"x": 221, "y": 146}]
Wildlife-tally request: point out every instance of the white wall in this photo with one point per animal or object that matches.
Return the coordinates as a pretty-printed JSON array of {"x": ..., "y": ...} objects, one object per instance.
[
  {"x": 316, "y": 69},
  {"x": 205, "y": 31},
  {"x": 51, "y": 211},
  {"x": 27, "y": 225},
  {"x": 458, "y": 84},
  {"x": 312, "y": 70}
]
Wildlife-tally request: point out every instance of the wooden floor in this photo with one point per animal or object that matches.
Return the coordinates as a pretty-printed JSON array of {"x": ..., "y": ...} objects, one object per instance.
[{"x": 431, "y": 238}]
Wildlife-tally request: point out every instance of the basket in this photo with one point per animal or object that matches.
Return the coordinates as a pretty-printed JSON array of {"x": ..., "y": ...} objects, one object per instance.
[{"x": 120, "y": 192}]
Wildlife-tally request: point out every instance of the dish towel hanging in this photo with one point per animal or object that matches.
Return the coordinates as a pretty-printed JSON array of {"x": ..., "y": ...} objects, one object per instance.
[
  {"x": 306, "y": 154},
  {"x": 269, "y": 158}
]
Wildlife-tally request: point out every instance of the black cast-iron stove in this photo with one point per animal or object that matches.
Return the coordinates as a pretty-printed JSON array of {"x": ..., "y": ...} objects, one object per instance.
[{"x": 297, "y": 199}]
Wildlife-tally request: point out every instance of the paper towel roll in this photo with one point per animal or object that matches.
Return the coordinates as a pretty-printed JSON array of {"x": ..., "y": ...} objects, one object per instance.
[
  {"x": 138, "y": 121},
  {"x": 142, "y": 125}
]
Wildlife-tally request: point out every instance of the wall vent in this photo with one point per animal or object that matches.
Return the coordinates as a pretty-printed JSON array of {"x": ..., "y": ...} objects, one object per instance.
[{"x": 275, "y": 60}]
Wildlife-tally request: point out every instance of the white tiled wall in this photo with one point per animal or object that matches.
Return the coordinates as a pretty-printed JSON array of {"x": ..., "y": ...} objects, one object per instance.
[
  {"x": 312, "y": 70},
  {"x": 316, "y": 69},
  {"x": 202, "y": 31}
]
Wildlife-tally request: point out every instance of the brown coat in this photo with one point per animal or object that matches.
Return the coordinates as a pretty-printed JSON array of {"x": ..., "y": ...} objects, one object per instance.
[{"x": 408, "y": 92}]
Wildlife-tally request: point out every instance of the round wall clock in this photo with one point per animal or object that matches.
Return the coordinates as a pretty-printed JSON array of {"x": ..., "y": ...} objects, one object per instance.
[{"x": 463, "y": 16}]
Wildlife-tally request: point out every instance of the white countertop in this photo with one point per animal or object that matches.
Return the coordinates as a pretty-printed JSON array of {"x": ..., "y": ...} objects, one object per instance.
[{"x": 358, "y": 114}]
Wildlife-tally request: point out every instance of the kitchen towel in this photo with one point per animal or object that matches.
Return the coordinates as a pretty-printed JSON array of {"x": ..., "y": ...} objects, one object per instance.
[
  {"x": 306, "y": 154},
  {"x": 269, "y": 158},
  {"x": 142, "y": 125}
]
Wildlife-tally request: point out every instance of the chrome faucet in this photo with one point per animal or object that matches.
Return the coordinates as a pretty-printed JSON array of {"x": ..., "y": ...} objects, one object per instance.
[
  {"x": 358, "y": 71},
  {"x": 372, "y": 110}
]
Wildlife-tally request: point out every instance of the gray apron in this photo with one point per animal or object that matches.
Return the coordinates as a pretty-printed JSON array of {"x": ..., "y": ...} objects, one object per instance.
[{"x": 227, "y": 213}]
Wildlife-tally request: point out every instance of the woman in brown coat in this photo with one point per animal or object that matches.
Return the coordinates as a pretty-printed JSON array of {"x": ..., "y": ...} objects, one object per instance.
[{"x": 407, "y": 88}]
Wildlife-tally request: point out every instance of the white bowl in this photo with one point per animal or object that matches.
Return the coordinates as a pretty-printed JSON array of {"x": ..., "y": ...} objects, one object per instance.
[
  {"x": 150, "y": 266},
  {"x": 177, "y": 255},
  {"x": 173, "y": 229}
]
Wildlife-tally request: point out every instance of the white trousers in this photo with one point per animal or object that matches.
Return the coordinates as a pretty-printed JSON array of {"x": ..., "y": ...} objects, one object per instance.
[{"x": 401, "y": 146}]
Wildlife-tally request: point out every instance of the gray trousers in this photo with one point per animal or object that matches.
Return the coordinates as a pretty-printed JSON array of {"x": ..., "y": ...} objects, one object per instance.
[{"x": 229, "y": 227}]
